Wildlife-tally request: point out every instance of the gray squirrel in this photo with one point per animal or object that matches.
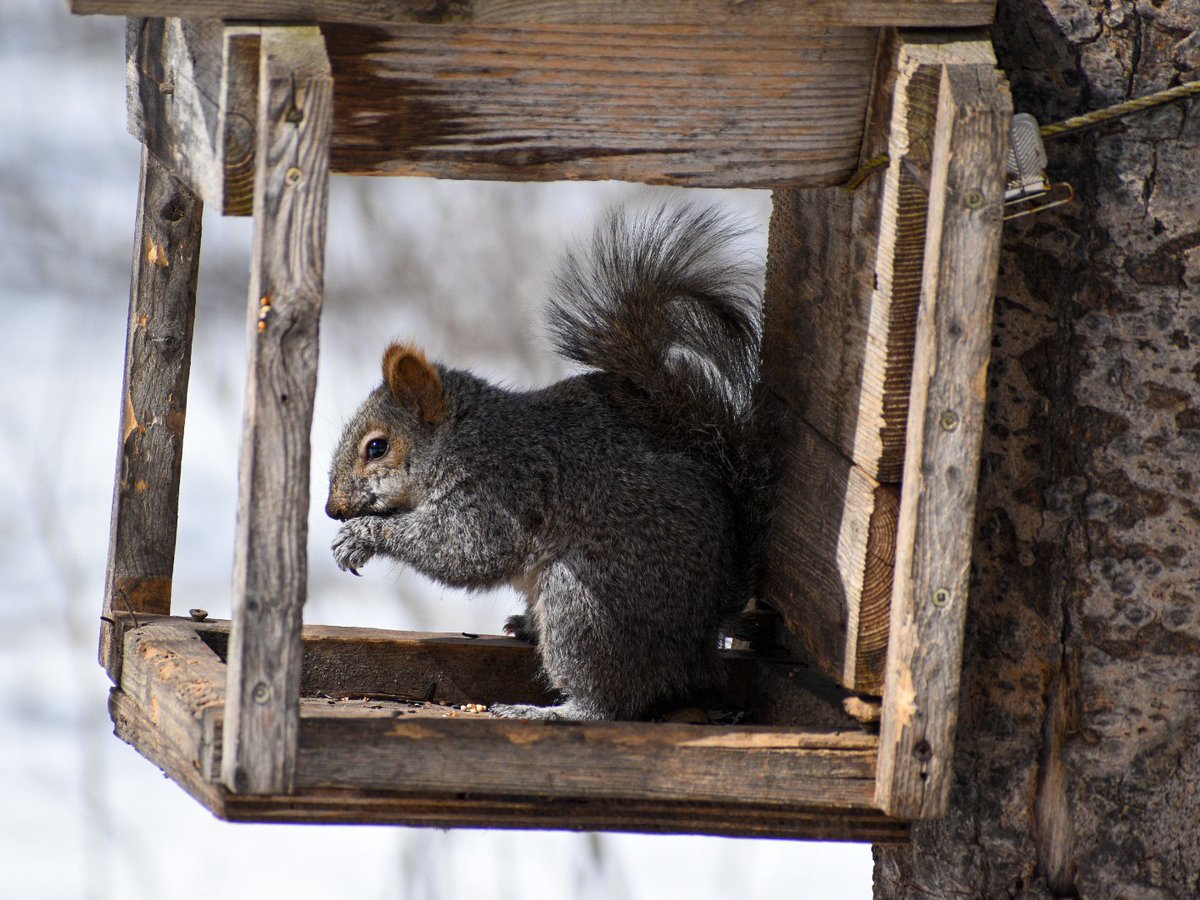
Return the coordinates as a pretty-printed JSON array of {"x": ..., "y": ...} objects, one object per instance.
[{"x": 627, "y": 503}]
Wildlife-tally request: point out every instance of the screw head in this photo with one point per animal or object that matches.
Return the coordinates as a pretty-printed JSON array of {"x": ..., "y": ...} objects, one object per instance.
[
  {"x": 261, "y": 693},
  {"x": 941, "y": 598},
  {"x": 973, "y": 199},
  {"x": 949, "y": 420},
  {"x": 293, "y": 176},
  {"x": 198, "y": 615}
]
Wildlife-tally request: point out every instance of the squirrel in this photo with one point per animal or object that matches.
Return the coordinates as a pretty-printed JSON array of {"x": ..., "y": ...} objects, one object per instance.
[{"x": 627, "y": 502}]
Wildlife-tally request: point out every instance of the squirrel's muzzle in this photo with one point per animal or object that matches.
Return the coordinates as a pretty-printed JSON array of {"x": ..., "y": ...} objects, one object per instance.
[{"x": 337, "y": 508}]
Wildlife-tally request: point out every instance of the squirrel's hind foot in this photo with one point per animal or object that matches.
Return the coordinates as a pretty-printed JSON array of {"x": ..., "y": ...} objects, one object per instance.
[{"x": 570, "y": 711}]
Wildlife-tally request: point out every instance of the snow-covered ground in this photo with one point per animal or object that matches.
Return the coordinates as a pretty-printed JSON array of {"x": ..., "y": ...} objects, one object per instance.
[{"x": 458, "y": 266}]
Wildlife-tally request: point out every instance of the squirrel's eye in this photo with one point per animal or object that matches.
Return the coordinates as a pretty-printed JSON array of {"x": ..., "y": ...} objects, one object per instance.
[{"x": 376, "y": 447}]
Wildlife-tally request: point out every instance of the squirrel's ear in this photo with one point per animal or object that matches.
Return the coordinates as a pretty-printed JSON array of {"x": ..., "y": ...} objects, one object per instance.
[{"x": 414, "y": 382}]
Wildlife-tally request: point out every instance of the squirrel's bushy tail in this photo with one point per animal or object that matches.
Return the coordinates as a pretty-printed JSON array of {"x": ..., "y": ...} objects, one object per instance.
[{"x": 664, "y": 300}]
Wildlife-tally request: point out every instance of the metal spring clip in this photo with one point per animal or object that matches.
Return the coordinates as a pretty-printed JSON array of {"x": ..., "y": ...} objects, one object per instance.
[{"x": 1028, "y": 189}]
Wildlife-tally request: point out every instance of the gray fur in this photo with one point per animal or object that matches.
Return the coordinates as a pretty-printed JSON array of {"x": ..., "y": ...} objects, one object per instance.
[{"x": 609, "y": 498}]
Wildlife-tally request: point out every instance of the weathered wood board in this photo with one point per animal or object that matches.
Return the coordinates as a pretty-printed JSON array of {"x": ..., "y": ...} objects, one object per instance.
[
  {"x": 811, "y": 13},
  {"x": 688, "y": 105},
  {"x": 830, "y": 559},
  {"x": 844, "y": 285},
  {"x": 286, "y": 287},
  {"x": 376, "y": 761},
  {"x": 937, "y": 505},
  {"x": 158, "y": 351}
]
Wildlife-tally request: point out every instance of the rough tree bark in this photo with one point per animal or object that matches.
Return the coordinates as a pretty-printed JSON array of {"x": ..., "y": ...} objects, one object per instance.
[{"x": 1077, "y": 769}]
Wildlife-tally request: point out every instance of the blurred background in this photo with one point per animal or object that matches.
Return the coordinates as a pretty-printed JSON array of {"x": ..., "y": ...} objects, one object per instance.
[{"x": 458, "y": 267}]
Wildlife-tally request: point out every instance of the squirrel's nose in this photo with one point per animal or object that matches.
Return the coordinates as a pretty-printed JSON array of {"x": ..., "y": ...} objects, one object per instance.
[{"x": 335, "y": 508}]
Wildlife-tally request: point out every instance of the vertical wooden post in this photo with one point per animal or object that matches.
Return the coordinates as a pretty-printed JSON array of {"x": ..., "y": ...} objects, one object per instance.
[
  {"x": 287, "y": 280},
  {"x": 945, "y": 426},
  {"x": 158, "y": 353}
]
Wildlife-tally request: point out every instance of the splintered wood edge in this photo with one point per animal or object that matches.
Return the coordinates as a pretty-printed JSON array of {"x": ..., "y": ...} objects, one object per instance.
[
  {"x": 169, "y": 706},
  {"x": 813, "y": 13},
  {"x": 944, "y": 433}
]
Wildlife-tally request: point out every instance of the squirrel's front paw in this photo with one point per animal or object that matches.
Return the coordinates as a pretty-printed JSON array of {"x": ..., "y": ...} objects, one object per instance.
[{"x": 354, "y": 544}]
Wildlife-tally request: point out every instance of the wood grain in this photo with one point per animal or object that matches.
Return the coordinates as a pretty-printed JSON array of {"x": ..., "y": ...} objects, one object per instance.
[
  {"x": 369, "y": 662},
  {"x": 830, "y": 559},
  {"x": 238, "y": 117},
  {"x": 459, "y": 808},
  {"x": 180, "y": 683},
  {"x": 158, "y": 351},
  {"x": 812, "y": 13},
  {"x": 286, "y": 283},
  {"x": 944, "y": 433},
  {"x": 615, "y": 760},
  {"x": 173, "y": 74},
  {"x": 686, "y": 105},
  {"x": 433, "y": 766},
  {"x": 844, "y": 272}
]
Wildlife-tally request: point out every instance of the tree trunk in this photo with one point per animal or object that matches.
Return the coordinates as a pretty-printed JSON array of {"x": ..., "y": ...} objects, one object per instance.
[{"x": 1077, "y": 769}]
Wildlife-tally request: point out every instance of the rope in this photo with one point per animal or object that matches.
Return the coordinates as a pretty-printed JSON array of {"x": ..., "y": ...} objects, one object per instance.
[
  {"x": 1054, "y": 129},
  {"x": 1066, "y": 126}
]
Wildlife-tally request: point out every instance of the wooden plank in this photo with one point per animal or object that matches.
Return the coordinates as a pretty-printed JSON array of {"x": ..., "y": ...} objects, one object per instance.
[
  {"x": 158, "y": 351},
  {"x": 830, "y": 559},
  {"x": 616, "y": 760},
  {"x": 368, "y": 662},
  {"x": 169, "y": 707},
  {"x": 180, "y": 683},
  {"x": 237, "y": 118},
  {"x": 843, "y": 288},
  {"x": 458, "y": 808},
  {"x": 286, "y": 284},
  {"x": 844, "y": 270},
  {"x": 192, "y": 88},
  {"x": 812, "y": 13},
  {"x": 687, "y": 105},
  {"x": 740, "y": 819},
  {"x": 173, "y": 70},
  {"x": 944, "y": 433}
]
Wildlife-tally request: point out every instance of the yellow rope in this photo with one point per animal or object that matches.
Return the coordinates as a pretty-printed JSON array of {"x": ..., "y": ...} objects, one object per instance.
[
  {"x": 1057, "y": 129},
  {"x": 1054, "y": 129}
]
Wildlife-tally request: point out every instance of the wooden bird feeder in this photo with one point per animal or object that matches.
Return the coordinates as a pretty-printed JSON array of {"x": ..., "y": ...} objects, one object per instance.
[{"x": 878, "y": 329}]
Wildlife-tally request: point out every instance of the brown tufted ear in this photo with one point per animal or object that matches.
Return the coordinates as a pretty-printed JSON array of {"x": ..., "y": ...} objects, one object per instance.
[{"x": 414, "y": 382}]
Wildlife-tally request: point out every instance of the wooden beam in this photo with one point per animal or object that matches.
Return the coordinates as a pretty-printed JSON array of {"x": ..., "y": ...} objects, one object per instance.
[
  {"x": 615, "y": 760},
  {"x": 665, "y": 777},
  {"x": 173, "y": 70},
  {"x": 238, "y": 117},
  {"x": 286, "y": 284},
  {"x": 741, "y": 106},
  {"x": 830, "y": 559},
  {"x": 944, "y": 432},
  {"x": 158, "y": 351},
  {"x": 369, "y": 662},
  {"x": 844, "y": 269},
  {"x": 192, "y": 98},
  {"x": 173, "y": 675},
  {"x": 461, "y": 808},
  {"x": 812, "y": 13}
]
